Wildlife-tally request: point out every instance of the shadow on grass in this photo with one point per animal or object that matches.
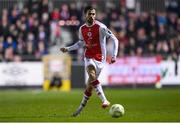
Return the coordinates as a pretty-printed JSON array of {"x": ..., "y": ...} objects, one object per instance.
[{"x": 36, "y": 116}]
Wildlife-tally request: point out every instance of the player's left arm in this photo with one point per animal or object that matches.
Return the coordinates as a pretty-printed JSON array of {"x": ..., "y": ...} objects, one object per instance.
[{"x": 110, "y": 35}]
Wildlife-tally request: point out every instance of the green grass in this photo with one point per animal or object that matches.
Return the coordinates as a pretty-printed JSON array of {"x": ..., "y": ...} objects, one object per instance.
[{"x": 140, "y": 105}]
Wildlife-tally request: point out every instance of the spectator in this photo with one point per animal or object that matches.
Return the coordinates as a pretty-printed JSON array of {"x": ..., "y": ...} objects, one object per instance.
[
  {"x": 41, "y": 50},
  {"x": 34, "y": 29}
]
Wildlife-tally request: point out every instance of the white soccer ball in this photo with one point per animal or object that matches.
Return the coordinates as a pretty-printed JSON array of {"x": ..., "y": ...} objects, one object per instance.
[{"x": 116, "y": 110}]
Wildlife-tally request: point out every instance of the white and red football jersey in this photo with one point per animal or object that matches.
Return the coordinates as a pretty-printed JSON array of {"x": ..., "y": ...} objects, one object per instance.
[{"x": 94, "y": 39}]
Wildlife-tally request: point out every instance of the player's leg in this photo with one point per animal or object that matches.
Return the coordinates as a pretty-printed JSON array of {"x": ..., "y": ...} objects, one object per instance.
[
  {"x": 88, "y": 89},
  {"x": 98, "y": 87},
  {"x": 87, "y": 95}
]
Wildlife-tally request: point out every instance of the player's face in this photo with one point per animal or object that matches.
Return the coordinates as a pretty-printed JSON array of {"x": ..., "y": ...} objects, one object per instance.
[{"x": 90, "y": 16}]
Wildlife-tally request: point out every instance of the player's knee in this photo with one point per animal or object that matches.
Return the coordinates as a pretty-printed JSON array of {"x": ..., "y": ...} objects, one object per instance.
[
  {"x": 91, "y": 72},
  {"x": 92, "y": 75}
]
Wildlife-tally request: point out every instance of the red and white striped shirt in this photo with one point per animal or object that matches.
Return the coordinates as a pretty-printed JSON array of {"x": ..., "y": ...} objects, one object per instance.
[{"x": 94, "y": 39}]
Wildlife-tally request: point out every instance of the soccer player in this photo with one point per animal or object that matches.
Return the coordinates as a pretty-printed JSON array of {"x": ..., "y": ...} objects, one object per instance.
[{"x": 92, "y": 36}]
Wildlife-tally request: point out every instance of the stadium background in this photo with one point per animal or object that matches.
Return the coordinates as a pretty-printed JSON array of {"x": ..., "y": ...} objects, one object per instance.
[{"x": 32, "y": 31}]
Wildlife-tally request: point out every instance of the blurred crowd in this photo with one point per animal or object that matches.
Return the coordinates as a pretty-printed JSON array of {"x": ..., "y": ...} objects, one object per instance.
[
  {"x": 29, "y": 32},
  {"x": 24, "y": 33}
]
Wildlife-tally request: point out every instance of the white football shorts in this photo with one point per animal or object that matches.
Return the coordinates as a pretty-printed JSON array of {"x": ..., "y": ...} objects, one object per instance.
[{"x": 97, "y": 65}]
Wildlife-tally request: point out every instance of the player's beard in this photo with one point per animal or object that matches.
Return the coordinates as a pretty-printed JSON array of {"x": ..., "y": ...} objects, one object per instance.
[{"x": 90, "y": 21}]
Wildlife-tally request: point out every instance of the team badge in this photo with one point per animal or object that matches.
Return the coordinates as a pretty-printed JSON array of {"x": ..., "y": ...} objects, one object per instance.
[{"x": 89, "y": 34}]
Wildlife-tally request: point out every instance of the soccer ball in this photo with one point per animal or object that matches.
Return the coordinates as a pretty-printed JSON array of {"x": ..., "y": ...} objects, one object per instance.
[{"x": 116, "y": 110}]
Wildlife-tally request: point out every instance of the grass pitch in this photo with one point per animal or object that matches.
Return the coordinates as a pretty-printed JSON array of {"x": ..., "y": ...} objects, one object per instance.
[{"x": 140, "y": 105}]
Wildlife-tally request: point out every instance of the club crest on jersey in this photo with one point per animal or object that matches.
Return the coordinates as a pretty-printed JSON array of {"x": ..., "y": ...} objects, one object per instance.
[{"x": 89, "y": 34}]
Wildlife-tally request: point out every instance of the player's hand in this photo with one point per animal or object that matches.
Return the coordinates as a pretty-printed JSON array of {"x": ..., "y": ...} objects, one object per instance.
[
  {"x": 63, "y": 49},
  {"x": 113, "y": 60}
]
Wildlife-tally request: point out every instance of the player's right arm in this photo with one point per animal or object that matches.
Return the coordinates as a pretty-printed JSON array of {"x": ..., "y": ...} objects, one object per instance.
[{"x": 75, "y": 46}]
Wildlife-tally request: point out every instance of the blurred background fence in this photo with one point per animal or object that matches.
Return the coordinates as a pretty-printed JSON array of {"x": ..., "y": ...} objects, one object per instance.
[{"x": 146, "y": 30}]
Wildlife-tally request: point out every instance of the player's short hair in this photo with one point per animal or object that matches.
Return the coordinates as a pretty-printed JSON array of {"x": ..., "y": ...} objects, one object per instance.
[{"x": 87, "y": 8}]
